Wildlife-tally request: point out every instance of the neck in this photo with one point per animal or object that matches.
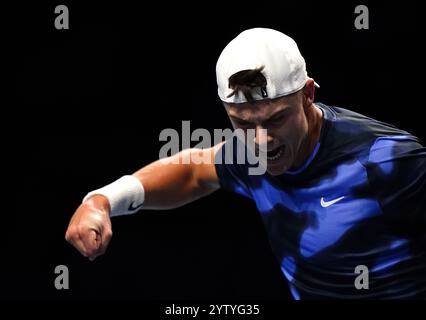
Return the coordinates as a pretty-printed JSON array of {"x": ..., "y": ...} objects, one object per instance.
[{"x": 315, "y": 119}]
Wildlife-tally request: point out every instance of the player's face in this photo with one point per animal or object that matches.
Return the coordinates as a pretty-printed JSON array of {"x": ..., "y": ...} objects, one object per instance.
[{"x": 286, "y": 123}]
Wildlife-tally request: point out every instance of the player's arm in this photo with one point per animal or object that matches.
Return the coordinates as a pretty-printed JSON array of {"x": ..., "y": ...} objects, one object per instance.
[
  {"x": 163, "y": 184},
  {"x": 171, "y": 185}
]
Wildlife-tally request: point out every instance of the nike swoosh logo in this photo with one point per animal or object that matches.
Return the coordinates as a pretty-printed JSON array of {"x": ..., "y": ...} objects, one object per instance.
[
  {"x": 132, "y": 208},
  {"x": 326, "y": 204}
]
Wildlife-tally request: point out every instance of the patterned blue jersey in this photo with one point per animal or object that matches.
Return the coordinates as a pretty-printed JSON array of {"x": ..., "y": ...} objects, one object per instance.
[{"x": 359, "y": 200}]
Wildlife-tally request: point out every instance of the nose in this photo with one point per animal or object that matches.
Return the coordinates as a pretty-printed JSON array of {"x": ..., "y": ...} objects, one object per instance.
[{"x": 262, "y": 138}]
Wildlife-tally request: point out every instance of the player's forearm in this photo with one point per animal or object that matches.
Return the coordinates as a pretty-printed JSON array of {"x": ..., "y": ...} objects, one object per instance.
[
  {"x": 170, "y": 185},
  {"x": 164, "y": 184}
]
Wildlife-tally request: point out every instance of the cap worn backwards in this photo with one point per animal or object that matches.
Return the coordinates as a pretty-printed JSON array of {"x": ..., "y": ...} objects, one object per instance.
[{"x": 283, "y": 65}]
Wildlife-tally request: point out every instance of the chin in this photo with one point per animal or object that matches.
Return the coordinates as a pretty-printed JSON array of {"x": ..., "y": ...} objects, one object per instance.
[{"x": 277, "y": 169}]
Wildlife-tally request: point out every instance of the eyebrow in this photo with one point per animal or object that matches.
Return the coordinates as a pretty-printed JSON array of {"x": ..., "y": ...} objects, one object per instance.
[{"x": 276, "y": 114}]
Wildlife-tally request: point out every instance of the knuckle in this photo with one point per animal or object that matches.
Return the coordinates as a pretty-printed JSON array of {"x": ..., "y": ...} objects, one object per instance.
[
  {"x": 108, "y": 233},
  {"x": 71, "y": 235},
  {"x": 70, "y": 230}
]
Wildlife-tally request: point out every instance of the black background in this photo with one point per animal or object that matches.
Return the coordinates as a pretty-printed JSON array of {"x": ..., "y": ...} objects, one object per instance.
[{"x": 88, "y": 105}]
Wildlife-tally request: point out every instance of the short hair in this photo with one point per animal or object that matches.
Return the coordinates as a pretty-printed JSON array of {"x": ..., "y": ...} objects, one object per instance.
[{"x": 246, "y": 81}]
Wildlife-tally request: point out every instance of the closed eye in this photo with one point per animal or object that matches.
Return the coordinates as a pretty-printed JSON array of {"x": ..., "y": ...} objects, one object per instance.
[
  {"x": 241, "y": 123},
  {"x": 276, "y": 120}
]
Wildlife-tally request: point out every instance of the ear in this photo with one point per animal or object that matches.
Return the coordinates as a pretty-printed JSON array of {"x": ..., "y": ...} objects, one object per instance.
[{"x": 309, "y": 92}]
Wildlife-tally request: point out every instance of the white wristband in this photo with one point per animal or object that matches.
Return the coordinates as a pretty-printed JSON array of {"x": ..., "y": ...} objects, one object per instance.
[{"x": 125, "y": 195}]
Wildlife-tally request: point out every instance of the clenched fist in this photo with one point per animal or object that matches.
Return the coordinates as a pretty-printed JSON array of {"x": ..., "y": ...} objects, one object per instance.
[{"x": 89, "y": 230}]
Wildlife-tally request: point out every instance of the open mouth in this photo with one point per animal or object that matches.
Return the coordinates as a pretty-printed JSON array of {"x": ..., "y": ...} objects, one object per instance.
[{"x": 275, "y": 154}]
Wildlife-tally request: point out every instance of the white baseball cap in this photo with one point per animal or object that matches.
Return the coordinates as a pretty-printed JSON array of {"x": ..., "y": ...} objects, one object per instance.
[{"x": 283, "y": 65}]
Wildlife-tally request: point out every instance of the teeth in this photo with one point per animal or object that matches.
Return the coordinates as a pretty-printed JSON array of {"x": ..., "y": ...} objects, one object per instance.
[{"x": 276, "y": 156}]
